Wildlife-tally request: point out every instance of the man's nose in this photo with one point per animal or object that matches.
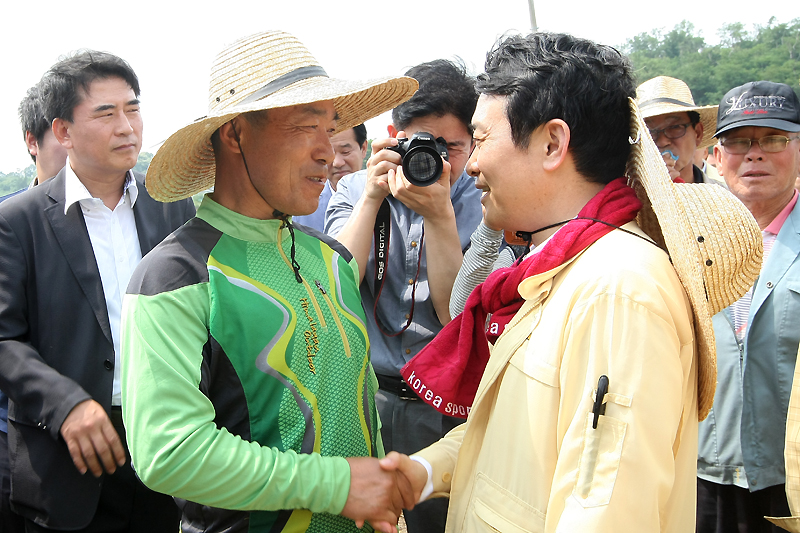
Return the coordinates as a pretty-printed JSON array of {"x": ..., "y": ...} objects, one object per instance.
[
  {"x": 124, "y": 126},
  {"x": 755, "y": 153},
  {"x": 661, "y": 140},
  {"x": 324, "y": 151},
  {"x": 338, "y": 160},
  {"x": 472, "y": 163}
]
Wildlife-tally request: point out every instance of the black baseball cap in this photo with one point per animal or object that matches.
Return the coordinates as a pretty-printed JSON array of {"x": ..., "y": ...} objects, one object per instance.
[{"x": 759, "y": 103}]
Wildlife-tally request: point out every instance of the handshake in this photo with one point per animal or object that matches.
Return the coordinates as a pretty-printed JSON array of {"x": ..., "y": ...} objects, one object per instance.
[{"x": 380, "y": 489}]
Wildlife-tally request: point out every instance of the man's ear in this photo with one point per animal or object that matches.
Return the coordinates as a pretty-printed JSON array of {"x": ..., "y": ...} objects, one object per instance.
[
  {"x": 392, "y": 130},
  {"x": 364, "y": 147},
  {"x": 718, "y": 157},
  {"x": 228, "y": 135},
  {"x": 32, "y": 144},
  {"x": 698, "y": 129},
  {"x": 61, "y": 132},
  {"x": 554, "y": 141}
]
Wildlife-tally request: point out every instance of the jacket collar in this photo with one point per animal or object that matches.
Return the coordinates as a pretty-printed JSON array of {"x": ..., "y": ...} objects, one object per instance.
[
  {"x": 76, "y": 191},
  {"x": 784, "y": 252}
]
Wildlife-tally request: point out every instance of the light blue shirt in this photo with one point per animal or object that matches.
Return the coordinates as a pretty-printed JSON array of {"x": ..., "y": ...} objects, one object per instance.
[
  {"x": 389, "y": 354},
  {"x": 316, "y": 219}
]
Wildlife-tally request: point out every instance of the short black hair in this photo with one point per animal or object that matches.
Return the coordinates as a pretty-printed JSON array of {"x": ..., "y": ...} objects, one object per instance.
[
  {"x": 550, "y": 75},
  {"x": 31, "y": 115},
  {"x": 694, "y": 117},
  {"x": 360, "y": 132},
  {"x": 444, "y": 88},
  {"x": 60, "y": 85}
]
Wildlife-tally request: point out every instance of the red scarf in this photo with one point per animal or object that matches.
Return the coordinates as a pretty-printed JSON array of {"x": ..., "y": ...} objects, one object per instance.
[{"x": 446, "y": 373}]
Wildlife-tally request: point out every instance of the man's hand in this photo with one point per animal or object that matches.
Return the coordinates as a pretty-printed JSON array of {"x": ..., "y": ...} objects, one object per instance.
[
  {"x": 378, "y": 167},
  {"x": 385, "y": 175},
  {"x": 414, "y": 472},
  {"x": 92, "y": 439},
  {"x": 376, "y": 495},
  {"x": 670, "y": 162}
]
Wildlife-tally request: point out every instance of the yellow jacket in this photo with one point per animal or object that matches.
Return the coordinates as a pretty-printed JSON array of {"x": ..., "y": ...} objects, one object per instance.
[{"x": 528, "y": 459}]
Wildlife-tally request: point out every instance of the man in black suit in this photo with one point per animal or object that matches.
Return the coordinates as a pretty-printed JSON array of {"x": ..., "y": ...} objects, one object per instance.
[
  {"x": 68, "y": 249},
  {"x": 49, "y": 156}
]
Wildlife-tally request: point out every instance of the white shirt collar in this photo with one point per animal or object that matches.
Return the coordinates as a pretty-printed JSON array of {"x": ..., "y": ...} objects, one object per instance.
[{"x": 75, "y": 190}]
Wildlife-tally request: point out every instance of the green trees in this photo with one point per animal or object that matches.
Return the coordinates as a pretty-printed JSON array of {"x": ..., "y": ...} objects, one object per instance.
[
  {"x": 143, "y": 162},
  {"x": 770, "y": 52},
  {"x": 15, "y": 181}
]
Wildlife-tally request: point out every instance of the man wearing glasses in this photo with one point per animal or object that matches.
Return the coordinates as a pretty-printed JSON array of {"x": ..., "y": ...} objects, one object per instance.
[
  {"x": 677, "y": 126},
  {"x": 741, "y": 474}
]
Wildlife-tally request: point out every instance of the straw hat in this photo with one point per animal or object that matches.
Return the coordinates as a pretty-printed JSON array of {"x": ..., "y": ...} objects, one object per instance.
[
  {"x": 712, "y": 239},
  {"x": 663, "y": 95},
  {"x": 263, "y": 71}
]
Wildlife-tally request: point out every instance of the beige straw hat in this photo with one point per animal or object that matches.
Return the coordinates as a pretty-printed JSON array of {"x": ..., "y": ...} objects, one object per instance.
[
  {"x": 712, "y": 239},
  {"x": 663, "y": 95},
  {"x": 263, "y": 71}
]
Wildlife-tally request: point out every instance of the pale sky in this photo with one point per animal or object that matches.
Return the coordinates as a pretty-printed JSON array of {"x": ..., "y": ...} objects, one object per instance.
[{"x": 171, "y": 44}]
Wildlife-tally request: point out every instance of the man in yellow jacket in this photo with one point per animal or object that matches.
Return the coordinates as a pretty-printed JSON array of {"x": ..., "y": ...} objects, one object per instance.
[{"x": 585, "y": 416}]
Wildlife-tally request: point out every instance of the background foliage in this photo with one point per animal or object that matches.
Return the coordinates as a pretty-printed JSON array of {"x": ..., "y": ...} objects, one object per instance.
[{"x": 770, "y": 52}]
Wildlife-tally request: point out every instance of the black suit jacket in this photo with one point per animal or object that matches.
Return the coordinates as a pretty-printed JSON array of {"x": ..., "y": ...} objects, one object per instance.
[{"x": 56, "y": 348}]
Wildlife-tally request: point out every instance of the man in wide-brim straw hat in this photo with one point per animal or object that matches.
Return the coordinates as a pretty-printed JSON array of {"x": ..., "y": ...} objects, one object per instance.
[
  {"x": 584, "y": 411},
  {"x": 247, "y": 384},
  {"x": 676, "y": 124}
]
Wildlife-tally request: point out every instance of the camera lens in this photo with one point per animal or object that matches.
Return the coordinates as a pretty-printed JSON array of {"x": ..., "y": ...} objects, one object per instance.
[
  {"x": 422, "y": 157},
  {"x": 421, "y": 166}
]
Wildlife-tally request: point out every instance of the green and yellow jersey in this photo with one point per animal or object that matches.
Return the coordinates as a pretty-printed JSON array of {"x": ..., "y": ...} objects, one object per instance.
[{"x": 245, "y": 384}]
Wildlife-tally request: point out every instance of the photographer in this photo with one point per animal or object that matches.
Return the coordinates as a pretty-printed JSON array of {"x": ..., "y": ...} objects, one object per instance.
[{"x": 425, "y": 229}]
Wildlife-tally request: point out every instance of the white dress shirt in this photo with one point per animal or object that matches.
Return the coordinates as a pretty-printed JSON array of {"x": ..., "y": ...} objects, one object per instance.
[{"x": 115, "y": 243}]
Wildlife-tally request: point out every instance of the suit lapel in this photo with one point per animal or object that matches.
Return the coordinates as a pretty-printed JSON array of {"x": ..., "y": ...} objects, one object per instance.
[
  {"x": 784, "y": 252},
  {"x": 73, "y": 238}
]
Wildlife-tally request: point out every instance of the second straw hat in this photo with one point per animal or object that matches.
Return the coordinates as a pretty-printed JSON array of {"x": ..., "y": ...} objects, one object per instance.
[{"x": 662, "y": 95}]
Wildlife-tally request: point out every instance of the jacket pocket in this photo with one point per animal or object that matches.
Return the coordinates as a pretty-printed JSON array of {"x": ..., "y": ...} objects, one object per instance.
[
  {"x": 496, "y": 509},
  {"x": 527, "y": 362},
  {"x": 793, "y": 285},
  {"x": 599, "y": 460}
]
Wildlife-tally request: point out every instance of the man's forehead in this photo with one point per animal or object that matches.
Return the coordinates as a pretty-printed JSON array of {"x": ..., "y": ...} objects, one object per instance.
[
  {"x": 490, "y": 109},
  {"x": 90, "y": 89},
  {"x": 668, "y": 118},
  {"x": 344, "y": 138},
  {"x": 755, "y": 132},
  {"x": 318, "y": 109},
  {"x": 448, "y": 126}
]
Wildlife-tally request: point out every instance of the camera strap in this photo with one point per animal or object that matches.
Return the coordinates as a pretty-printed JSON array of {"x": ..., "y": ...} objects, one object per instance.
[{"x": 381, "y": 237}]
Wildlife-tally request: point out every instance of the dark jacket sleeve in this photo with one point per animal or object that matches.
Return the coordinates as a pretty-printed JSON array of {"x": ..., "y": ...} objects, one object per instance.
[{"x": 44, "y": 395}]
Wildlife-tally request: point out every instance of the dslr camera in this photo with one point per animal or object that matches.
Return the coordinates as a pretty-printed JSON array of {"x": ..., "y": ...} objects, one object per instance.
[{"x": 422, "y": 157}]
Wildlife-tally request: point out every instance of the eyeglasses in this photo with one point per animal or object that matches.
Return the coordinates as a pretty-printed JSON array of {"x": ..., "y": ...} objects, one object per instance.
[
  {"x": 770, "y": 144},
  {"x": 676, "y": 131}
]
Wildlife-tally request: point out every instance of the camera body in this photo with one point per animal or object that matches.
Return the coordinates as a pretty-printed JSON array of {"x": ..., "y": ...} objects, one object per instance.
[{"x": 422, "y": 157}]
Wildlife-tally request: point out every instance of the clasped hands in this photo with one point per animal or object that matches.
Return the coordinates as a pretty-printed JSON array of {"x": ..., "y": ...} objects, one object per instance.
[{"x": 380, "y": 489}]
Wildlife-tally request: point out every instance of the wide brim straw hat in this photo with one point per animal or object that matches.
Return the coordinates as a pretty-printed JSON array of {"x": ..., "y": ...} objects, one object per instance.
[
  {"x": 263, "y": 71},
  {"x": 663, "y": 95},
  {"x": 713, "y": 241}
]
